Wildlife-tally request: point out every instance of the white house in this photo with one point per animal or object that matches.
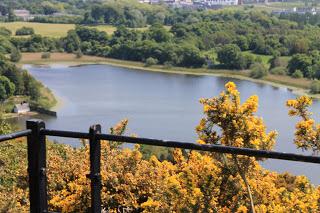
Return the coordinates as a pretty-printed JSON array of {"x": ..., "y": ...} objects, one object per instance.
[
  {"x": 23, "y": 14},
  {"x": 21, "y": 108},
  {"x": 221, "y": 2}
]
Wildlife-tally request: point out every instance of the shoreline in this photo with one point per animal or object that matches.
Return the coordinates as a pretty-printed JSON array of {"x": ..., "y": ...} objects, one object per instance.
[{"x": 64, "y": 59}]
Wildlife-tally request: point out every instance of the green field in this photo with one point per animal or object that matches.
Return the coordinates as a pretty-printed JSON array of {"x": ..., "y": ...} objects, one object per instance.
[
  {"x": 59, "y": 30},
  {"x": 52, "y": 30}
]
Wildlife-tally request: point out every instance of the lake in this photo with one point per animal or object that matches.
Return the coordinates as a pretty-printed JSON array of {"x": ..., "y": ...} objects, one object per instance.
[{"x": 160, "y": 105}]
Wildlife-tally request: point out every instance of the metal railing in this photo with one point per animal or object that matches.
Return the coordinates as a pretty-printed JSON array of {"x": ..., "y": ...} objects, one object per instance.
[{"x": 36, "y": 138}]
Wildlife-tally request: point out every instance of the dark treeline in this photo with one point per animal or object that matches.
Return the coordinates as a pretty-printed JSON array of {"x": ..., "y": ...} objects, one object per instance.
[{"x": 15, "y": 81}]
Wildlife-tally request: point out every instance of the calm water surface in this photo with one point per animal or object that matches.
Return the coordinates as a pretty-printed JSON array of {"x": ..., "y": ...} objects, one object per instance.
[{"x": 159, "y": 105}]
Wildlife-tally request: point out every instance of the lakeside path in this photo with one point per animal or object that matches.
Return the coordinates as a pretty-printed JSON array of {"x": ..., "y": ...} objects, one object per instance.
[{"x": 297, "y": 86}]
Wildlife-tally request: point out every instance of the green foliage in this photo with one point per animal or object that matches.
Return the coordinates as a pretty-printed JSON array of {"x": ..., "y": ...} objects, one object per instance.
[
  {"x": 11, "y": 16},
  {"x": 72, "y": 42},
  {"x": 278, "y": 71},
  {"x": 79, "y": 54},
  {"x": 126, "y": 13},
  {"x": 7, "y": 88},
  {"x": 15, "y": 55},
  {"x": 275, "y": 62},
  {"x": 167, "y": 65},
  {"x": 25, "y": 31},
  {"x": 315, "y": 87},
  {"x": 46, "y": 55},
  {"x": 258, "y": 71},
  {"x": 297, "y": 74},
  {"x": 150, "y": 62},
  {"x": 32, "y": 87},
  {"x": 300, "y": 62},
  {"x": 159, "y": 34},
  {"x": 5, "y": 127},
  {"x": 242, "y": 42},
  {"x": 5, "y": 32},
  {"x": 231, "y": 57},
  {"x": 58, "y": 19}
]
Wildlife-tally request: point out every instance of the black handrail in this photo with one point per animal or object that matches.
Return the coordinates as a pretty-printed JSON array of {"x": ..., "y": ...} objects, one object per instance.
[
  {"x": 14, "y": 135},
  {"x": 37, "y": 133},
  {"x": 189, "y": 145}
]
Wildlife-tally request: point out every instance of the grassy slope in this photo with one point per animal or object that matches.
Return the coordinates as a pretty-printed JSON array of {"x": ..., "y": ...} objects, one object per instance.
[
  {"x": 52, "y": 30},
  {"x": 298, "y": 85}
]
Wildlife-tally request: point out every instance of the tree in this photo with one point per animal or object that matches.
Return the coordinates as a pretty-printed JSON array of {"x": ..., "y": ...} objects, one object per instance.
[
  {"x": 300, "y": 46},
  {"x": 230, "y": 56},
  {"x": 79, "y": 54},
  {"x": 315, "y": 87},
  {"x": 11, "y": 16},
  {"x": 239, "y": 126},
  {"x": 5, "y": 32},
  {"x": 297, "y": 74},
  {"x": 31, "y": 86},
  {"x": 300, "y": 62},
  {"x": 46, "y": 55},
  {"x": 25, "y": 31},
  {"x": 72, "y": 42},
  {"x": 6, "y": 88},
  {"x": 134, "y": 18},
  {"x": 150, "y": 62},
  {"x": 15, "y": 55},
  {"x": 190, "y": 56},
  {"x": 275, "y": 61},
  {"x": 258, "y": 70},
  {"x": 49, "y": 8},
  {"x": 242, "y": 42},
  {"x": 158, "y": 33}
]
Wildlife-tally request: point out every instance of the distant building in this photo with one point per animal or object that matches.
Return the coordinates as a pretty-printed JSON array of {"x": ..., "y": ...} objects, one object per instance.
[
  {"x": 21, "y": 108},
  {"x": 145, "y": 1},
  {"x": 23, "y": 14},
  {"x": 221, "y": 2},
  {"x": 297, "y": 10}
]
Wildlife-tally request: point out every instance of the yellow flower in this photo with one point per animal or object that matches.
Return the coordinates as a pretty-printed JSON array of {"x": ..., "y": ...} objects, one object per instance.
[{"x": 201, "y": 142}]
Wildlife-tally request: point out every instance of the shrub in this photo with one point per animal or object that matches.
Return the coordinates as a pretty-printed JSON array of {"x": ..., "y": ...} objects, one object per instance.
[
  {"x": 297, "y": 74},
  {"x": 167, "y": 65},
  {"x": 315, "y": 87},
  {"x": 151, "y": 61},
  {"x": 46, "y": 55},
  {"x": 15, "y": 55},
  {"x": 278, "y": 71},
  {"x": 275, "y": 62},
  {"x": 79, "y": 54},
  {"x": 5, "y": 32},
  {"x": 25, "y": 31},
  {"x": 258, "y": 71}
]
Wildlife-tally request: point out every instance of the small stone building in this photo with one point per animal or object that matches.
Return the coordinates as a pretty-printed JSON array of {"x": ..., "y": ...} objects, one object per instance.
[{"x": 21, "y": 108}]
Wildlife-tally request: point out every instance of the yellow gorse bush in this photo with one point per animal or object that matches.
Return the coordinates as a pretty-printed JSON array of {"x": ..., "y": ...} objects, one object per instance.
[
  {"x": 307, "y": 135},
  {"x": 189, "y": 182}
]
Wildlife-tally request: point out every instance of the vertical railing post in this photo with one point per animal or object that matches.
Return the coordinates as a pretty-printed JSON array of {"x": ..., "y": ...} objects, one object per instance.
[
  {"x": 95, "y": 158},
  {"x": 37, "y": 167}
]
